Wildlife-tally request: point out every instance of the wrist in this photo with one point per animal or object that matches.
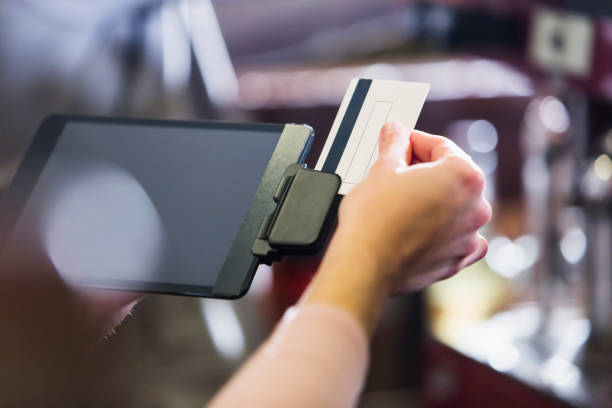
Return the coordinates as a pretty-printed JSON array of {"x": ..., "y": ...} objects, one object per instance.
[{"x": 352, "y": 279}]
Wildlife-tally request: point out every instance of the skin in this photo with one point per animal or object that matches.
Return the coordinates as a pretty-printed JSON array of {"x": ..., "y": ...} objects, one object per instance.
[
  {"x": 103, "y": 310},
  {"x": 412, "y": 221}
]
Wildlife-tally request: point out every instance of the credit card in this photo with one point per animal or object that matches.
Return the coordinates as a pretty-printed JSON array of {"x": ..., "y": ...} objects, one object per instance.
[{"x": 352, "y": 145}]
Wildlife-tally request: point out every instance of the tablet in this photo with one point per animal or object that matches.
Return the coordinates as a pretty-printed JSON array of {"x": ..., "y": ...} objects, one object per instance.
[{"x": 147, "y": 205}]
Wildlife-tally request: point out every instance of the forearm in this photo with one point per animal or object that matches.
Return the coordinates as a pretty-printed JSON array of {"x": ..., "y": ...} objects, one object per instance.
[
  {"x": 385, "y": 241},
  {"x": 316, "y": 357}
]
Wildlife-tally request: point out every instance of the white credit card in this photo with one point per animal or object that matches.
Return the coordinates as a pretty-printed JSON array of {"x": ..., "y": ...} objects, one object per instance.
[{"x": 352, "y": 145}]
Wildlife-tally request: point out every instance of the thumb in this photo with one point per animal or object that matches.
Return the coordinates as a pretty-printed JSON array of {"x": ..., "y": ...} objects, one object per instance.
[{"x": 394, "y": 144}]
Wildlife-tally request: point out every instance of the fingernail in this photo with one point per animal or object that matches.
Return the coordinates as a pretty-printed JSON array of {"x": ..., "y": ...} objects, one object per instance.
[{"x": 390, "y": 128}]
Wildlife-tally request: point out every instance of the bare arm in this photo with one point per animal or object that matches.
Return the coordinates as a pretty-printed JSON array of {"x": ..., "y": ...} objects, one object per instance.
[{"x": 411, "y": 222}]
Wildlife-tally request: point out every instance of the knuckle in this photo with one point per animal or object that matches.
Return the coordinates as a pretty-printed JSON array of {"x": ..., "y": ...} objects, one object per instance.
[
  {"x": 481, "y": 215},
  {"x": 473, "y": 244},
  {"x": 447, "y": 143},
  {"x": 458, "y": 165},
  {"x": 478, "y": 181},
  {"x": 485, "y": 248},
  {"x": 473, "y": 178},
  {"x": 486, "y": 212},
  {"x": 468, "y": 175}
]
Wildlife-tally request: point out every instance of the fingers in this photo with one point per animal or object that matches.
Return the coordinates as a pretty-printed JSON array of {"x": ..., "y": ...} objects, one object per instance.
[
  {"x": 428, "y": 148},
  {"x": 481, "y": 215},
  {"x": 477, "y": 214},
  {"x": 474, "y": 246},
  {"x": 394, "y": 144},
  {"x": 479, "y": 251},
  {"x": 457, "y": 163}
]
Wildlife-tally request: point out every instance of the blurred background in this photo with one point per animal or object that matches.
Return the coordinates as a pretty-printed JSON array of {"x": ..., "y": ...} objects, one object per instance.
[{"x": 524, "y": 86}]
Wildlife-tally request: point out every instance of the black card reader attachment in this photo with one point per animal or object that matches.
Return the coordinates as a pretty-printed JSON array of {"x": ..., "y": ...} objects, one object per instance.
[{"x": 305, "y": 203}]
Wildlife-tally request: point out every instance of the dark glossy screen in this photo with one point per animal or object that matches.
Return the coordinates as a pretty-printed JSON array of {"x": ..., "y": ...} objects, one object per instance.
[{"x": 142, "y": 203}]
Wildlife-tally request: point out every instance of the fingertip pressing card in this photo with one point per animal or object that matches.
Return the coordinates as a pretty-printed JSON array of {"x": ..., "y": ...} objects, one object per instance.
[{"x": 352, "y": 145}]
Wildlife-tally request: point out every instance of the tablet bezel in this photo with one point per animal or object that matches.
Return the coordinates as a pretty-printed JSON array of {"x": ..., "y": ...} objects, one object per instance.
[{"x": 240, "y": 264}]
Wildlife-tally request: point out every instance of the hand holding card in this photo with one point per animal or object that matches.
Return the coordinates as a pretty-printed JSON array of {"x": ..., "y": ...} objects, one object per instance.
[{"x": 352, "y": 145}]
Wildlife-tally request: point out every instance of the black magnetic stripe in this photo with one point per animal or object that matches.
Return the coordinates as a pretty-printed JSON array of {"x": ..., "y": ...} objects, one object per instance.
[{"x": 346, "y": 126}]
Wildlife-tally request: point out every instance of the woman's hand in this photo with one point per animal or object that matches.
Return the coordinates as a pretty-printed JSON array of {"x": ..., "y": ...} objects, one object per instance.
[
  {"x": 412, "y": 221},
  {"x": 418, "y": 211}
]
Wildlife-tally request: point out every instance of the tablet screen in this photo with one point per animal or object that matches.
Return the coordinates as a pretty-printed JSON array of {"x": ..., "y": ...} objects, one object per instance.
[{"x": 136, "y": 202}]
